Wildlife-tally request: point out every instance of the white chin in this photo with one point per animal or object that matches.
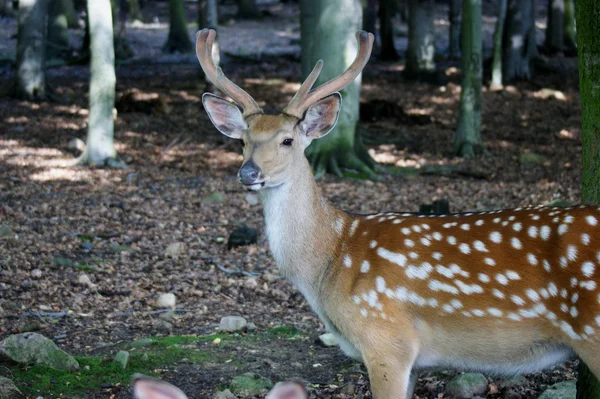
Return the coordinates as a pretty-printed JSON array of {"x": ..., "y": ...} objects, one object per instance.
[{"x": 255, "y": 187}]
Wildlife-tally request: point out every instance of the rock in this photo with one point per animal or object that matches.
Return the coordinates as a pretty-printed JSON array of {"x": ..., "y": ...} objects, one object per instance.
[
  {"x": 122, "y": 359},
  {"x": 243, "y": 236},
  {"x": 8, "y": 389},
  {"x": 250, "y": 384},
  {"x": 214, "y": 198},
  {"x": 33, "y": 348},
  {"x": 251, "y": 327},
  {"x": 562, "y": 390},
  {"x": 84, "y": 279},
  {"x": 252, "y": 199},
  {"x": 251, "y": 283},
  {"x": 328, "y": 339},
  {"x": 121, "y": 248},
  {"x": 6, "y": 231},
  {"x": 563, "y": 203},
  {"x": 140, "y": 343},
  {"x": 166, "y": 301},
  {"x": 233, "y": 323},
  {"x": 466, "y": 386},
  {"x": 550, "y": 93},
  {"x": 175, "y": 249},
  {"x": 168, "y": 316},
  {"x": 165, "y": 326},
  {"x": 76, "y": 144},
  {"x": 58, "y": 261},
  {"x": 226, "y": 394},
  {"x": 531, "y": 158}
]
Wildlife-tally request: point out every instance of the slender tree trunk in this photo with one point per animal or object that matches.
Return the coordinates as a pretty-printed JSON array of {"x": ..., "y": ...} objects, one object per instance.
[
  {"x": 454, "y": 16},
  {"x": 31, "y": 49},
  {"x": 120, "y": 16},
  {"x": 135, "y": 11},
  {"x": 519, "y": 46},
  {"x": 58, "y": 29},
  {"x": 569, "y": 18},
  {"x": 247, "y": 9},
  {"x": 467, "y": 141},
  {"x": 179, "y": 39},
  {"x": 588, "y": 49},
  {"x": 100, "y": 139},
  {"x": 386, "y": 29},
  {"x": 555, "y": 35},
  {"x": 498, "y": 34},
  {"x": 421, "y": 40},
  {"x": 208, "y": 18},
  {"x": 370, "y": 15},
  {"x": 328, "y": 32}
]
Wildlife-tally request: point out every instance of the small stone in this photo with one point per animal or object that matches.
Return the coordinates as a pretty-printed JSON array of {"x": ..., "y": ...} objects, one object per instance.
[
  {"x": 562, "y": 390},
  {"x": 168, "y": 316},
  {"x": 76, "y": 144},
  {"x": 174, "y": 250},
  {"x": 250, "y": 384},
  {"x": 121, "y": 248},
  {"x": 84, "y": 279},
  {"x": 251, "y": 327},
  {"x": 233, "y": 323},
  {"x": 165, "y": 326},
  {"x": 243, "y": 236},
  {"x": 33, "y": 348},
  {"x": 145, "y": 356},
  {"x": 6, "y": 232},
  {"x": 166, "y": 301},
  {"x": 328, "y": 339},
  {"x": 226, "y": 394},
  {"x": 8, "y": 389},
  {"x": 531, "y": 158},
  {"x": 251, "y": 283},
  {"x": 348, "y": 389},
  {"x": 252, "y": 199},
  {"x": 550, "y": 93},
  {"x": 140, "y": 343},
  {"x": 122, "y": 359},
  {"x": 467, "y": 385},
  {"x": 214, "y": 198}
]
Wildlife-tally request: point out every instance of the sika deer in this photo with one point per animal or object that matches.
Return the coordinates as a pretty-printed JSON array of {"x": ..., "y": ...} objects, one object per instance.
[
  {"x": 506, "y": 291},
  {"x": 149, "y": 388}
]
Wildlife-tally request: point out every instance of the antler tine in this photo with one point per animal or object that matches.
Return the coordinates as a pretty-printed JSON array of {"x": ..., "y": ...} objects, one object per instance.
[
  {"x": 303, "y": 90},
  {"x": 204, "y": 43},
  {"x": 298, "y": 105}
]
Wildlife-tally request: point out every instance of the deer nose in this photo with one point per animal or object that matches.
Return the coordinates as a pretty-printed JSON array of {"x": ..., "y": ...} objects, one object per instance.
[{"x": 248, "y": 173}]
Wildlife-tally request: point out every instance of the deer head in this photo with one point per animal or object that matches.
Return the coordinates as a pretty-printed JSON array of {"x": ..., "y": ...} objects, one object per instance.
[{"x": 273, "y": 143}]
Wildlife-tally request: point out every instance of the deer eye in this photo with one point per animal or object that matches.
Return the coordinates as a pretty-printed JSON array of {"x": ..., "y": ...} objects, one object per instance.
[{"x": 287, "y": 142}]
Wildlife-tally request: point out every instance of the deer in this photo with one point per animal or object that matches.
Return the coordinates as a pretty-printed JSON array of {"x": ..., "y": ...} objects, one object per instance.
[
  {"x": 506, "y": 291},
  {"x": 149, "y": 388}
]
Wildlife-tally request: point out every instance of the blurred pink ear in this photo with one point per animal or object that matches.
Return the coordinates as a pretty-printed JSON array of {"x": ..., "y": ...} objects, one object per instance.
[
  {"x": 149, "y": 388},
  {"x": 288, "y": 390}
]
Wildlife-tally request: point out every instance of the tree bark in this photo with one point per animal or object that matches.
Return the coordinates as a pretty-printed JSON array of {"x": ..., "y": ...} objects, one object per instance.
[
  {"x": 31, "y": 50},
  {"x": 467, "y": 141},
  {"x": 421, "y": 41},
  {"x": 588, "y": 49},
  {"x": 135, "y": 11},
  {"x": 555, "y": 35},
  {"x": 328, "y": 32},
  {"x": 498, "y": 34},
  {"x": 454, "y": 16},
  {"x": 370, "y": 15},
  {"x": 247, "y": 9},
  {"x": 208, "y": 18},
  {"x": 386, "y": 30},
  {"x": 179, "y": 39},
  {"x": 58, "y": 29},
  {"x": 100, "y": 139},
  {"x": 120, "y": 16},
  {"x": 519, "y": 46}
]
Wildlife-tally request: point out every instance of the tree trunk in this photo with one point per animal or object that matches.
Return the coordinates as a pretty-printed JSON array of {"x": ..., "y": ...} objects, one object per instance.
[
  {"x": 370, "y": 16},
  {"x": 58, "y": 29},
  {"x": 421, "y": 41},
  {"x": 570, "y": 42},
  {"x": 588, "y": 50},
  {"x": 208, "y": 18},
  {"x": 454, "y": 16},
  {"x": 135, "y": 11},
  {"x": 328, "y": 32},
  {"x": 179, "y": 39},
  {"x": 119, "y": 15},
  {"x": 386, "y": 30},
  {"x": 498, "y": 34},
  {"x": 100, "y": 139},
  {"x": 31, "y": 50},
  {"x": 555, "y": 35},
  {"x": 247, "y": 9},
  {"x": 467, "y": 141},
  {"x": 519, "y": 46}
]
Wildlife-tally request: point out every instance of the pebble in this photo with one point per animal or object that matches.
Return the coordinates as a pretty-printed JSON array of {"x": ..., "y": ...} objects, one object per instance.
[
  {"x": 251, "y": 283},
  {"x": 328, "y": 339},
  {"x": 84, "y": 279},
  {"x": 252, "y": 199},
  {"x": 36, "y": 273},
  {"x": 233, "y": 323},
  {"x": 166, "y": 301}
]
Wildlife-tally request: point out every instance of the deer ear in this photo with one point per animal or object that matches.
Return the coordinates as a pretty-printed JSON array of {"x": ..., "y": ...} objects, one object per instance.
[
  {"x": 226, "y": 117},
  {"x": 288, "y": 390},
  {"x": 322, "y": 116},
  {"x": 149, "y": 388}
]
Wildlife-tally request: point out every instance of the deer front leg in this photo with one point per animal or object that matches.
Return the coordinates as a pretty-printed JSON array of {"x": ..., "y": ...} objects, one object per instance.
[{"x": 390, "y": 371}]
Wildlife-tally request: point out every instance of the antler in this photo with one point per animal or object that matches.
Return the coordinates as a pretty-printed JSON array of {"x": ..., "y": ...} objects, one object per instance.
[
  {"x": 304, "y": 97},
  {"x": 204, "y": 43}
]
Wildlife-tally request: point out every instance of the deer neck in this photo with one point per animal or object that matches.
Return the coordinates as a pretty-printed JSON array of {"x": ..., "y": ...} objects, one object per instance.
[{"x": 302, "y": 228}]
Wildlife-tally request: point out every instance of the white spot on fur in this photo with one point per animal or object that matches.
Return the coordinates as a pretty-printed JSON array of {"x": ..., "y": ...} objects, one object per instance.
[
  {"x": 451, "y": 240},
  {"x": 495, "y": 312},
  {"x": 546, "y": 265},
  {"x": 347, "y": 261},
  {"x": 436, "y": 255},
  {"x": 489, "y": 262},
  {"x": 512, "y": 275},
  {"x": 588, "y": 285},
  {"x": 468, "y": 289},
  {"x": 365, "y": 266},
  {"x": 545, "y": 232},
  {"x": 425, "y": 242},
  {"x": 393, "y": 257},
  {"x": 464, "y": 248},
  {"x": 373, "y": 244},
  {"x": 517, "y": 300},
  {"x": 465, "y": 226},
  {"x": 405, "y": 230},
  {"x": 496, "y": 237},
  {"x": 572, "y": 252},
  {"x": 562, "y": 229},
  {"x": 436, "y": 285},
  {"x": 591, "y": 220},
  {"x": 516, "y": 243},
  {"x": 409, "y": 243},
  {"x": 532, "y": 231},
  {"x": 353, "y": 227},
  {"x": 419, "y": 272},
  {"x": 380, "y": 284},
  {"x": 501, "y": 278},
  {"x": 588, "y": 269},
  {"x": 517, "y": 226},
  {"x": 479, "y": 222},
  {"x": 498, "y": 294},
  {"x": 531, "y": 294},
  {"x": 479, "y": 246},
  {"x": 532, "y": 259},
  {"x": 553, "y": 289},
  {"x": 484, "y": 278}
]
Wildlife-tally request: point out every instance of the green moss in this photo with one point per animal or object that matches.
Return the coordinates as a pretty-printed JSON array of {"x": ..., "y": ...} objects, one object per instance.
[{"x": 285, "y": 331}]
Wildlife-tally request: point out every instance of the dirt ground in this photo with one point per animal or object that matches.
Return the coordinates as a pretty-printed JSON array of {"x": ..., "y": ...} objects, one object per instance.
[{"x": 115, "y": 226}]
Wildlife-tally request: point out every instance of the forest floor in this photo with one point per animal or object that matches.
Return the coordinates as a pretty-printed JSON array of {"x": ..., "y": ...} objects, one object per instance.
[{"x": 96, "y": 245}]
